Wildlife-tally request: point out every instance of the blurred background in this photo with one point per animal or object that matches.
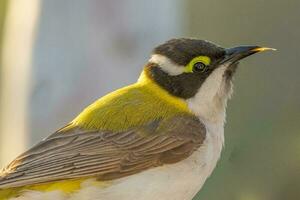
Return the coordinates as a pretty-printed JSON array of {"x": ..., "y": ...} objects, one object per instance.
[{"x": 56, "y": 57}]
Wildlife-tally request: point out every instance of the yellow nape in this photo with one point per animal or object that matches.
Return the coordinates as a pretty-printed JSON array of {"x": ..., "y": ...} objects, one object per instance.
[
  {"x": 130, "y": 107},
  {"x": 67, "y": 187}
]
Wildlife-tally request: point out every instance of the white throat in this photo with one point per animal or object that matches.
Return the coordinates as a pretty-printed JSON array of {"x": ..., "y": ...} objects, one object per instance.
[{"x": 210, "y": 102}]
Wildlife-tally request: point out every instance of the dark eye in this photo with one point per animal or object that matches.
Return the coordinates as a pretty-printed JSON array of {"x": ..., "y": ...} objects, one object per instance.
[{"x": 199, "y": 67}]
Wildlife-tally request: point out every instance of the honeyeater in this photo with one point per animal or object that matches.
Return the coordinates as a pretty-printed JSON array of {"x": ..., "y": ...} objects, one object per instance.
[{"x": 157, "y": 139}]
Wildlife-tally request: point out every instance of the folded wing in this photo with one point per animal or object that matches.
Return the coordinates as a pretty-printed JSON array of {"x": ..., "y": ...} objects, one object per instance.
[{"x": 107, "y": 155}]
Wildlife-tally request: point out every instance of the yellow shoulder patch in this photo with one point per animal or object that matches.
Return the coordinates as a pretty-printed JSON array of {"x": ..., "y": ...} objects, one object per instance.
[{"x": 130, "y": 107}]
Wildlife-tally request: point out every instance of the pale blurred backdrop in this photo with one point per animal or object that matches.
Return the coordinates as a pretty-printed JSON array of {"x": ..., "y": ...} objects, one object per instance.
[{"x": 59, "y": 56}]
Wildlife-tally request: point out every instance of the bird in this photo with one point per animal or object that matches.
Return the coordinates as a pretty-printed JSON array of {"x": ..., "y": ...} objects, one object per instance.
[{"x": 157, "y": 139}]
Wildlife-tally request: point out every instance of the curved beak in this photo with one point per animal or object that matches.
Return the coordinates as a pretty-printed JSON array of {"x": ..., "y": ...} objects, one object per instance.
[{"x": 235, "y": 54}]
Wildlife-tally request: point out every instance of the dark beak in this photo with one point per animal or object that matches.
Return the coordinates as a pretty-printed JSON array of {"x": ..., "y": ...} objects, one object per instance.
[{"x": 235, "y": 54}]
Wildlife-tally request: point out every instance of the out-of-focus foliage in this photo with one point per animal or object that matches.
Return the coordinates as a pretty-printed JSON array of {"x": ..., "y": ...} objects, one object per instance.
[{"x": 261, "y": 159}]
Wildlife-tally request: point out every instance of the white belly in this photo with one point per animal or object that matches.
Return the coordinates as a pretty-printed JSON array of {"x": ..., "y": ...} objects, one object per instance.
[{"x": 180, "y": 181}]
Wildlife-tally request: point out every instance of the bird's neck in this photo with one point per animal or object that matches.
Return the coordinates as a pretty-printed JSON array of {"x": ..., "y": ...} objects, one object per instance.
[
  {"x": 210, "y": 102},
  {"x": 146, "y": 82}
]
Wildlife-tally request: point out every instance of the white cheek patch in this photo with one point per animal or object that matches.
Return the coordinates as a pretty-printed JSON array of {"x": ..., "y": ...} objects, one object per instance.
[
  {"x": 209, "y": 103},
  {"x": 166, "y": 64}
]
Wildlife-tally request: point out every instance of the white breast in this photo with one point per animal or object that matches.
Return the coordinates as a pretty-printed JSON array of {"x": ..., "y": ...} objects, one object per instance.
[{"x": 179, "y": 181}]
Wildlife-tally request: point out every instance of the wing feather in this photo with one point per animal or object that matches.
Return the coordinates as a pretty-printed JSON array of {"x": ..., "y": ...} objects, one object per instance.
[{"x": 107, "y": 155}]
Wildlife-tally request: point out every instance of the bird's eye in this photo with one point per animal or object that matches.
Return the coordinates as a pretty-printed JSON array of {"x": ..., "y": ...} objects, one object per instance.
[{"x": 199, "y": 67}]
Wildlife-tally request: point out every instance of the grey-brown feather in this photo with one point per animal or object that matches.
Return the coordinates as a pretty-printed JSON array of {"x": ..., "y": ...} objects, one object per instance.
[{"x": 104, "y": 154}]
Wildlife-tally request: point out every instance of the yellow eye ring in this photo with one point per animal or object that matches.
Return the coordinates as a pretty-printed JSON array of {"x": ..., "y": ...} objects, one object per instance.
[{"x": 205, "y": 60}]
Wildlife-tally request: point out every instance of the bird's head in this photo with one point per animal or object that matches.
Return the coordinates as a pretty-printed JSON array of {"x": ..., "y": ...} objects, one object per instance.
[{"x": 197, "y": 71}]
